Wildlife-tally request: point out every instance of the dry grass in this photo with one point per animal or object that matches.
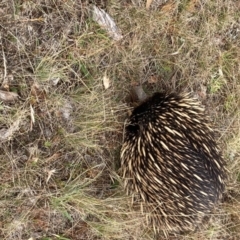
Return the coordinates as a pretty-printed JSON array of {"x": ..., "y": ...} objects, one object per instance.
[{"x": 60, "y": 140}]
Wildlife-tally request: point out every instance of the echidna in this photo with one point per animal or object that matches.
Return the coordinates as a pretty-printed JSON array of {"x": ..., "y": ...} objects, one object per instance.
[{"x": 171, "y": 163}]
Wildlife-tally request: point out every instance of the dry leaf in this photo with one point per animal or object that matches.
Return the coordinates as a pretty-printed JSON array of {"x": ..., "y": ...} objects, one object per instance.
[
  {"x": 8, "y": 96},
  {"x": 106, "y": 22},
  {"x": 32, "y": 117},
  {"x": 65, "y": 111},
  {"x": 6, "y": 134},
  {"x": 50, "y": 174},
  {"x": 148, "y": 4},
  {"x": 55, "y": 81},
  {"x": 32, "y": 114},
  {"x": 38, "y": 92},
  {"x": 140, "y": 93},
  {"x": 106, "y": 81}
]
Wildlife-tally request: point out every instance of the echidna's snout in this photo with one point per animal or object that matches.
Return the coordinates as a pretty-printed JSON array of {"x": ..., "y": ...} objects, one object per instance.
[{"x": 170, "y": 160}]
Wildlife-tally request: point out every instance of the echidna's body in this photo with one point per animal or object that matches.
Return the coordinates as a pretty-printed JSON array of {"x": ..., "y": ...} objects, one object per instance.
[{"x": 170, "y": 161}]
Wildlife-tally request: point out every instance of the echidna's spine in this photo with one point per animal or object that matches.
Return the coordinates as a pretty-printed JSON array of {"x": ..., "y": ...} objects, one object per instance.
[{"x": 170, "y": 160}]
